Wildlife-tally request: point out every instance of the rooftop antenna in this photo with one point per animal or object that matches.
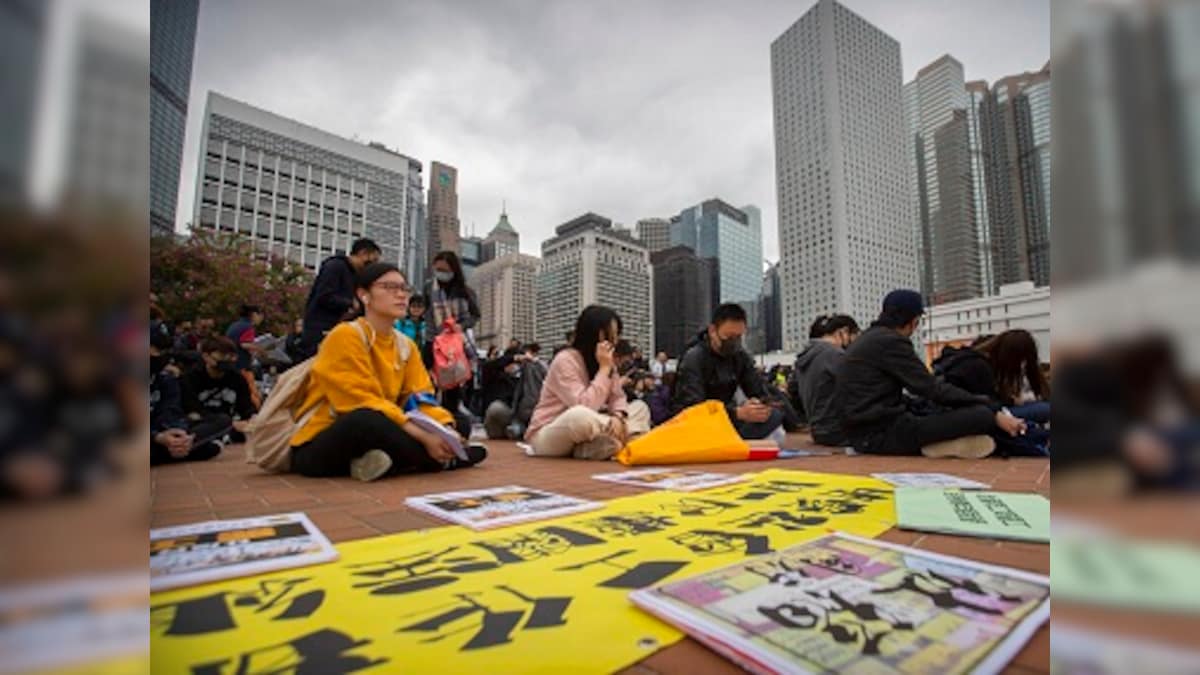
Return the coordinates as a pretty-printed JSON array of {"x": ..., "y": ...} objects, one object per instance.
[{"x": 504, "y": 207}]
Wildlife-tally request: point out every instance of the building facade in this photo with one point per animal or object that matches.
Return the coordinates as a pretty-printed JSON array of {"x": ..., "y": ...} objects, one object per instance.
[
  {"x": 589, "y": 262},
  {"x": 733, "y": 236},
  {"x": 842, "y": 169},
  {"x": 684, "y": 290},
  {"x": 771, "y": 311},
  {"x": 1019, "y": 305},
  {"x": 655, "y": 233},
  {"x": 23, "y": 27},
  {"x": 503, "y": 240},
  {"x": 507, "y": 290},
  {"x": 172, "y": 44},
  {"x": 470, "y": 254},
  {"x": 301, "y": 193},
  {"x": 442, "y": 214}
]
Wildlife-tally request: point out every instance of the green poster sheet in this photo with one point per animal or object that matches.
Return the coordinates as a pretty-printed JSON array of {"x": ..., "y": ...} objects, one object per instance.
[
  {"x": 974, "y": 513},
  {"x": 1129, "y": 573}
]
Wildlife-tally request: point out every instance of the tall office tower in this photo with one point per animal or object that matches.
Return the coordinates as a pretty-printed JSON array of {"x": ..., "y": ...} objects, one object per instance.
[
  {"x": 655, "y": 233},
  {"x": 302, "y": 193},
  {"x": 470, "y": 254},
  {"x": 172, "y": 43},
  {"x": 502, "y": 240},
  {"x": 683, "y": 297},
  {"x": 733, "y": 236},
  {"x": 589, "y": 262},
  {"x": 442, "y": 215},
  {"x": 771, "y": 311},
  {"x": 507, "y": 292},
  {"x": 23, "y": 25},
  {"x": 845, "y": 220},
  {"x": 981, "y": 153}
]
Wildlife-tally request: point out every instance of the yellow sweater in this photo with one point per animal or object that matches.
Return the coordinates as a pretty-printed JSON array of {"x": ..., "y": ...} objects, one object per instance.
[{"x": 348, "y": 375}]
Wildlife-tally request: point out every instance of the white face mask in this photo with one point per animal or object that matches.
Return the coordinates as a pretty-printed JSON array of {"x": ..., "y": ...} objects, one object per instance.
[{"x": 444, "y": 277}]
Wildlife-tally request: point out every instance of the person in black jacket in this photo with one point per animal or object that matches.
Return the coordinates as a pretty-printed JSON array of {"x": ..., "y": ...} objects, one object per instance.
[
  {"x": 881, "y": 365},
  {"x": 331, "y": 299},
  {"x": 716, "y": 366},
  {"x": 172, "y": 438}
]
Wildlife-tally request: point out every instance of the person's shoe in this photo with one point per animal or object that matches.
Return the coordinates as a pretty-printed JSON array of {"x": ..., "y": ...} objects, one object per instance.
[
  {"x": 967, "y": 447},
  {"x": 602, "y": 447},
  {"x": 476, "y": 453},
  {"x": 371, "y": 466}
]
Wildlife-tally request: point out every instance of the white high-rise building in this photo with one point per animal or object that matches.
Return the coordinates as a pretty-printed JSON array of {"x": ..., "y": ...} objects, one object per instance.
[
  {"x": 845, "y": 216},
  {"x": 507, "y": 298},
  {"x": 589, "y": 262}
]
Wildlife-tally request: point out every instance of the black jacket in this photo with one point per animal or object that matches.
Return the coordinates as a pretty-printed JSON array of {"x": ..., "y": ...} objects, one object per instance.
[
  {"x": 968, "y": 370},
  {"x": 816, "y": 378},
  {"x": 497, "y": 384},
  {"x": 331, "y": 297},
  {"x": 704, "y": 375},
  {"x": 879, "y": 367},
  {"x": 166, "y": 403}
]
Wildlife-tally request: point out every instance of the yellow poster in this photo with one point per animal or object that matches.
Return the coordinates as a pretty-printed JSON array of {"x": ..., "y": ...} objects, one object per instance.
[{"x": 547, "y": 597}]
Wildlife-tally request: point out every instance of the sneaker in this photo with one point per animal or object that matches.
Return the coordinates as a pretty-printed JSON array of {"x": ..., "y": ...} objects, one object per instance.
[
  {"x": 371, "y": 466},
  {"x": 602, "y": 447},
  {"x": 476, "y": 453},
  {"x": 967, "y": 447}
]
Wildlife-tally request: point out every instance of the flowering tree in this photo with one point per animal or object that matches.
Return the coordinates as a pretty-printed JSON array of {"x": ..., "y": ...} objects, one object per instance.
[{"x": 212, "y": 274}]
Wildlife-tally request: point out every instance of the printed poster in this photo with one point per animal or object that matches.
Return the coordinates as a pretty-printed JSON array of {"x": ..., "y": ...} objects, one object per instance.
[
  {"x": 994, "y": 515},
  {"x": 500, "y": 506},
  {"x": 850, "y": 605},
  {"x": 221, "y": 549},
  {"x": 1076, "y": 651},
  {"x": 930, "y": 480},
  {"x": 682, "y": 480},
  {"x": 548, "y": 597},
  {"x": 1121, "y": 572}
]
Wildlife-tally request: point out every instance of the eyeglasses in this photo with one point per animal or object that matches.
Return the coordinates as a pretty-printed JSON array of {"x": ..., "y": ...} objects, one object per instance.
[{"x": 393, "y": 287}]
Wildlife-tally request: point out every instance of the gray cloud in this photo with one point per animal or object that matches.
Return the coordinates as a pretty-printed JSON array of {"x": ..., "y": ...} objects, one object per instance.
[{"x": 629, "y": 109}]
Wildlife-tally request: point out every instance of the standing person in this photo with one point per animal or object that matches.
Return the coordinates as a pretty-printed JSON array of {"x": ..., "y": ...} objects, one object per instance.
[
  {"x": 582, "y": 411},
  {"x": 363, "y": 374},
  {"x": 454, "y": 308},
  {"x": 215, "y": 390},
  {"x": 881, "y": 365},
  {"x": 816, "y": 375},
  {"x": 293, "y": 346},
  {"x": 242, "y": 333},
  {"x": 331, "y": 299},
  {"x": 716, "y": 366},
  {"x": 1005, "y": 368}
]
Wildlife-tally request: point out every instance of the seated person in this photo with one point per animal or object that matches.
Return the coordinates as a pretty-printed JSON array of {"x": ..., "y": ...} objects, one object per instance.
[
  {"x": 716, "y": 366},
  {"x": 880, "y": 366},
  {"x": 816, "y": 374},
  {"x": 659, "y": 399},
  {"x": 529, "y": 389},
  {"x": 364, "y": 370},
  {"x": 215, "y": 388},
  {"x": 1007, "y": 370},
  {"x": 499, "y": 375},
  {"x": 172, "y": 438},
  {"x": 582, "y": 411}
]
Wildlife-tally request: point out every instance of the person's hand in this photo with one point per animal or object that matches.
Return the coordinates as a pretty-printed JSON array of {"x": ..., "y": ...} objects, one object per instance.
[
  {"x": 604, "y": 354},
  {"x": 753, "y": 411},
  {"x": 435, "y": 446},
  {"x": 618, "y": 428},
  {"x": 177, "y": 441},
  {"x": 1013, "y": 426},
  {"x": 1147, "y": 453},
  {"x": 33, "y": 475}
]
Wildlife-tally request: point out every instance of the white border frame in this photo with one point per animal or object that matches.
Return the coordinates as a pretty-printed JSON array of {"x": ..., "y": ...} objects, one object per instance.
[{"x": 421, "y": 503}]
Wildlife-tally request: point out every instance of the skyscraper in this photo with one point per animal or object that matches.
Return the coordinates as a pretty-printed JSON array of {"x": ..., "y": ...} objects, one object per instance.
[
  {"x": 470, "y": 254},
  {"x": 502, "y": 240},
  {"x": 444, "y": 229},
  {"x": 771, "y": 311},
  {"x": 507, "y": 292},
  {"x": 845, "y": 218},
  {"x": 714, "y": 229},
  {"x": 655, "y": 233},
  {"x": 22, "y": 31},
  {"x": 172, "y": 43},
  {"x": 683, "y": 297},
  {"x": 302, "y": 193},
  {"x": 589, "y": 262}
]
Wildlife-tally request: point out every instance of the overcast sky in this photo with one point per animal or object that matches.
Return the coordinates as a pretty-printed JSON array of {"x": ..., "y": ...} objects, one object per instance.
[{"x": 629, "y": 109}]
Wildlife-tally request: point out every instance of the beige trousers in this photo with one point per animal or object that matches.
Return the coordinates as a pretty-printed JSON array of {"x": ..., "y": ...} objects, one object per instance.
[{"x": 581, "y": 424}]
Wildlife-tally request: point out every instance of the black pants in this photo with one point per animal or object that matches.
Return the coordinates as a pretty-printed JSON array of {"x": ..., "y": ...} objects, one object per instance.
[
  {"x": 353, "y": 434},
  {"x": 908, "y": 433},
  {"x": 210, "y": 434},
  {"x": 451, "y": 398}
]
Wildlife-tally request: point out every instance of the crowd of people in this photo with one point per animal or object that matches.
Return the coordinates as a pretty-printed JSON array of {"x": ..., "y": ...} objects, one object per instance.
[{"x": 376, "y": 353}]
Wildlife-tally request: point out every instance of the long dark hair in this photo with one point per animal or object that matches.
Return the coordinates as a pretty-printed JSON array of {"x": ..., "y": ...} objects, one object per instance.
[
  {"x": 1007, "y": 353},
  {"x": 457, "y": 286},
  {"x": 593, "y": 320}
]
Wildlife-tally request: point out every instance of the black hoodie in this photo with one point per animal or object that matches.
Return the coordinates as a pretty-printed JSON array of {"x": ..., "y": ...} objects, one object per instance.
[
  {"x": 330, "y": 299},
  {"x": 816, "y": 379},
  {"x": 704, "y": 375},
  {"x": 969, "y": 370}
]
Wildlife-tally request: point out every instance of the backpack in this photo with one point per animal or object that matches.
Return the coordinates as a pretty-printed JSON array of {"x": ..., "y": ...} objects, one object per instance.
[
  {"x": 451, "y": 364},
  {"x": 269, "y": 441}
]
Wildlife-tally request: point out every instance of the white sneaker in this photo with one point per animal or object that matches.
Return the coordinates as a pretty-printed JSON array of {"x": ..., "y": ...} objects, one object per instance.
[
  {"x": 371, "y": 466},
  {"x": 967, "y": 447}
]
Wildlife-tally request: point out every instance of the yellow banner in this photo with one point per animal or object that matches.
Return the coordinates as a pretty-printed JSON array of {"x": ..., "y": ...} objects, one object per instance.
[{"x": 546, "y": 597}]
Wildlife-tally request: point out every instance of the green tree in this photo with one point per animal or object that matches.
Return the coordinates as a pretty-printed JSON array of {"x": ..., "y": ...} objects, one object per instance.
[{"x": 211, "y": 274}]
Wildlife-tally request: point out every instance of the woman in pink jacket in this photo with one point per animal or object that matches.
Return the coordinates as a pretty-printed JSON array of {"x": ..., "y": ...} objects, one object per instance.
[{"x": 582, "y": 411}]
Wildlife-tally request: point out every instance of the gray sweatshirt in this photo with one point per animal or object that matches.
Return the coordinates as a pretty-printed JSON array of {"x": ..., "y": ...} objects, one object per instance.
[{"x": 816, "y": 373}]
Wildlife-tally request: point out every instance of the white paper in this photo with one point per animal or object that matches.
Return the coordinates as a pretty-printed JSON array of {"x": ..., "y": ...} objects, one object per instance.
[
  {"x": 499, "y": 506},
  {"x": 222, "y": 549},
  {"x": 1077, "y": 651},
  {"x": 429, "y": 424},
  {"x": 930, "y": 480},
  {"x": 679, "y": 480}
]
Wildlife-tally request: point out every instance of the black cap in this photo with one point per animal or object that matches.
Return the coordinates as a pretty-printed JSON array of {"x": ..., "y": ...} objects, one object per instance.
[{"x": 903, "y": 305}]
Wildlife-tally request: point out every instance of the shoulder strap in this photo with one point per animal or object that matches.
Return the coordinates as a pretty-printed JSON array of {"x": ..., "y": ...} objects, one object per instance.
[{"x": 401, "y": 340}]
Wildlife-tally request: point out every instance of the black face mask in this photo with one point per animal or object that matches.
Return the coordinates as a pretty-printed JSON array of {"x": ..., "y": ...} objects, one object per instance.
[
  {"x": 157, "y": 363},
  {"x": 730, "y": 346},
  {"x": 226, "y": 366}
]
